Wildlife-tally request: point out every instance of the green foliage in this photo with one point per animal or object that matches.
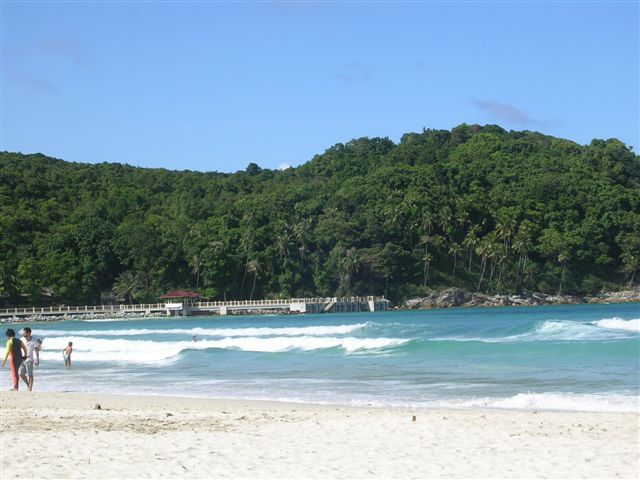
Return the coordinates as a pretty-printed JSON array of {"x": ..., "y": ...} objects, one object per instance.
[{"x": 476, "y": 207}]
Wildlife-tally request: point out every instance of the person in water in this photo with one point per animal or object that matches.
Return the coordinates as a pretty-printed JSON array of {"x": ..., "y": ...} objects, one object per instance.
[
  {"x": 14, "y": 347},
  {"x": 66, "y": 354},
  {"x": 26, "y": 369}
]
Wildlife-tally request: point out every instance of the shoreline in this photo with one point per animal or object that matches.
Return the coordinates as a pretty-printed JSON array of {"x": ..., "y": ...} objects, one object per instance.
[
  {"x": 444, "y": 299},
  {"x": 133, "y": 436},
  {"x": 568, "y": 403}
]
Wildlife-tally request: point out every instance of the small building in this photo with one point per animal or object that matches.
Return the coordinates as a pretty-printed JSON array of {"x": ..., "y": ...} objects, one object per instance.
[
  {"x": 179, "y": 302},
  {"x": 184, "y": 296},
  {"x": 107, "y": 297}
]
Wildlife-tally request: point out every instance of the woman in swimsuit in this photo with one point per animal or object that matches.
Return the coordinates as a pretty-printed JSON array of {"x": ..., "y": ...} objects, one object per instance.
[{"x": 14, "y": 345}]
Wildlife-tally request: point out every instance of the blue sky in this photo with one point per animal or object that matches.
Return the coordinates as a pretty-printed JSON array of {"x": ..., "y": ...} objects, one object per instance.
[{"x": 214, "y": 86}]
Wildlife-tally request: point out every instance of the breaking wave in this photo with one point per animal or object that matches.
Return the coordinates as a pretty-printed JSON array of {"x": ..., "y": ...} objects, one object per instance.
[
  {"x": 557, "y": 401},
  {"x": 620, "y": 324},
  {"x": 213, "y": 332},
  {"x": 147, "y": 351},
  {"x": 556, "y": 330}
]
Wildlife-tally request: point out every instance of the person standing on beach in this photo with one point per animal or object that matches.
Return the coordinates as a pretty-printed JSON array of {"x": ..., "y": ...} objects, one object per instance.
[
  {"x": 26, "y": 369},
  {"x": 14, "y": 346},
  {"x": 66, "y": 354}
]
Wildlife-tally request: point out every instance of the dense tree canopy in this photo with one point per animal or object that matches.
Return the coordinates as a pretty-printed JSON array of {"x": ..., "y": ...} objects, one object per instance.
[{"x": 475, "y": 207}]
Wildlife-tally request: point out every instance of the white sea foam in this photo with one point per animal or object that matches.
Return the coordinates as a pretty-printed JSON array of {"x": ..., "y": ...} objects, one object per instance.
[
  {"x": 619, "y": 324},
  {"x": 557, "y": 401},
  {"x": 562, "y": 330},
  {"x": 147, "y": 351},
  {"x": 212, "y": 332},
  {"x": 119, "y": 319},
  {"x": 102, "y": 350}
]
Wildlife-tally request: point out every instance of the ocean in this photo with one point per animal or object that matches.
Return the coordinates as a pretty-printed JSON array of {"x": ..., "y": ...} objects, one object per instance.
[{"x": 568, "y": 357}]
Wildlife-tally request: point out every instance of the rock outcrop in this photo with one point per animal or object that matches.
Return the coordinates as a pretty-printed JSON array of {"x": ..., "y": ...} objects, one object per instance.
[{"x": 456, "y": 297}]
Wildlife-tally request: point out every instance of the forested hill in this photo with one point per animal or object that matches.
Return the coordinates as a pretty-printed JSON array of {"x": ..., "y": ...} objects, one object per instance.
[{"x": 476, "y": 207}]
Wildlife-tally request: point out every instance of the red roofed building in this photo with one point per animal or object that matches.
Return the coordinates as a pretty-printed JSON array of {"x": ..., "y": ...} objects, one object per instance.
[
  {"x": 181, "y": 295},
  {"x": 180, "y": 300}
]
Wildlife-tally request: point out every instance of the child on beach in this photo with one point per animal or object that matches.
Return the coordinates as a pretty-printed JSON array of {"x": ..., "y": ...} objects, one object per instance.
[
  {"x": 14, "y": 345},
  {"x": 66, "y": 354}
]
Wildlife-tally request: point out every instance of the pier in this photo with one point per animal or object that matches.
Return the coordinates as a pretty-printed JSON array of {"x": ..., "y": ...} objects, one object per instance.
[{"x": 185, "y": 308}]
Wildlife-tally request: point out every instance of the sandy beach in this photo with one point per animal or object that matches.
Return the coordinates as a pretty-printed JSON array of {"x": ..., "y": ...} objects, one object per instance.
[{"x": 67, "y": 436}]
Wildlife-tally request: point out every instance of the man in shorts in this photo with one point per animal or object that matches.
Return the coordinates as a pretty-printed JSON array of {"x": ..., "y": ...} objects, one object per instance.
[{"x": 26, "y": 369}]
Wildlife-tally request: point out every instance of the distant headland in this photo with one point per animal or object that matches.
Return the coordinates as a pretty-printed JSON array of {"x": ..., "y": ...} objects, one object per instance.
[{"x": 475, "y": 208}]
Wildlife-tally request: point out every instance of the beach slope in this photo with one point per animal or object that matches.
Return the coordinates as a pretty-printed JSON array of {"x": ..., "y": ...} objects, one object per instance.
[{"x": 66, "y": 435}]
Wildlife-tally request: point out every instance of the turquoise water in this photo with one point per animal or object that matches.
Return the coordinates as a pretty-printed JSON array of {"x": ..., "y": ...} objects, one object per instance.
[{"x": 570, "y": 357}]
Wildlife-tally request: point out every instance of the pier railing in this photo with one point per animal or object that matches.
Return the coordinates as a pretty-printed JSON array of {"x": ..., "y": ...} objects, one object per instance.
[
  {"x": 288, "y": 301},
  {"x": 195, "y": 306},
  {"x": 60, "y": 310}
]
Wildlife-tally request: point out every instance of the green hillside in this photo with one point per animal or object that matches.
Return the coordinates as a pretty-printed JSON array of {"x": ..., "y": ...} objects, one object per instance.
[{"x": 476, "y": 207}]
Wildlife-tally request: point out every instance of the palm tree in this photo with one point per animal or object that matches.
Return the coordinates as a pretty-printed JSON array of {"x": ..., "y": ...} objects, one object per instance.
[
  {"x": 445, "y": 218},
  {"x": 502, "y": 255},
  {"x": 126, "y": 286},
  {"x": 630, "y": 264},
  {"x": 427, "y": 225},
  {"x": 302, "y": 235},
  {"x": 246, "y": 244},
  {"x": 482, "y": 250},
  {"x": 282, "y": 245},
  {"x": 563, "y": 258},
  {"x": 197, "y": 267},
  {"x": 471, "y": 241},
  {"x": 425, "y": 240},
  {"x": 504, "y": 229},
  {"x": 350, "y": 265},
  {"x": 454, "y": 250},
  {"x": 493, "y": 250},
  {"x": 253, "y": 266},
  {"x": 522, "y": 245}
]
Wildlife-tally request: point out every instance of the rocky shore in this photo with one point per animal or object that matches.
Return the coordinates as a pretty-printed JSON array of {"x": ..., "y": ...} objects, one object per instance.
[{"x": 456, "y": 297}]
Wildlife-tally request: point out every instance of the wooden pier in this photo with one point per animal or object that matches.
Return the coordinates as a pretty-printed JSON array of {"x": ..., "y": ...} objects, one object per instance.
[{"x": 291, "y": 305}]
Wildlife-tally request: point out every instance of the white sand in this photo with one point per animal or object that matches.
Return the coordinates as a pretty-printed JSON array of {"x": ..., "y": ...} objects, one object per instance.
[{"x": 160, "y": 437}]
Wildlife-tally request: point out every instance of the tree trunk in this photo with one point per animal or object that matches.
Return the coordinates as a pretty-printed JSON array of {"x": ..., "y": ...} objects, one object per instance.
[
  {"x": 564, "y": 266},
  {"x": 453, "y": 280},
  {"x": 484, "y": 264},
  {"x": 425, "y": 270},
  {"x": 500, "y": 277},
  {"x": 255, "y": 276},
  {"x": 244, "y": 275}
]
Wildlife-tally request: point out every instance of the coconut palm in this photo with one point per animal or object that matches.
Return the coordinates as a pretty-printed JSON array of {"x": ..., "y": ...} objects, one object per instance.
[
  {"x": 522, "y": 245},
  {"x": 282, "y": 245},
  {"x": 126, "y": 286},
  {"x": 197, "y": 267},
  {"x": 350, "y": 265},
  {"x": 563, "y": 258},
  {"x": 426, "y": 240},
  {"x": 246, "y": 245},
  {"x": 454, "y": 250},
  {"x": 253, "y": 266},
  {"x": 630, "y": 264},
  {"x": 471, "y": 241},
  {"x": 302, "y": 235},
  {"x": 482, "y": 250}
]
